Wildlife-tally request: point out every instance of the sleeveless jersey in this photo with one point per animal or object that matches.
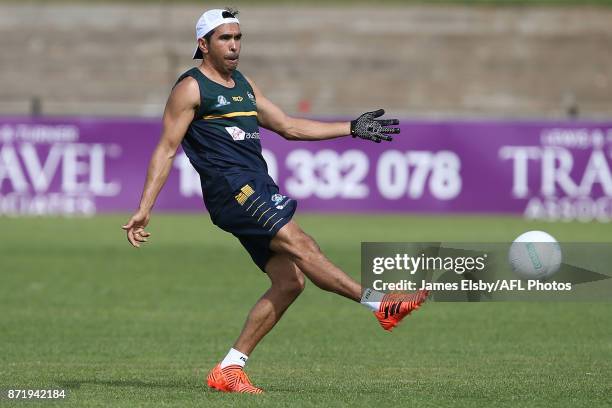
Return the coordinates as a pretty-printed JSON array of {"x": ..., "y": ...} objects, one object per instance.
[{"x": 222, "y": 142}]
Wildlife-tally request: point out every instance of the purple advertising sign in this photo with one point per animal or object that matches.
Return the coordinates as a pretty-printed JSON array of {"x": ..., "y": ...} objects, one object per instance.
[{"x": 547, "y": 170}]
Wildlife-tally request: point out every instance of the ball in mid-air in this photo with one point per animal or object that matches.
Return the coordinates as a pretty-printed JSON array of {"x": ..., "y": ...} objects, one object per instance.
[{"x": 535, "y": 255}]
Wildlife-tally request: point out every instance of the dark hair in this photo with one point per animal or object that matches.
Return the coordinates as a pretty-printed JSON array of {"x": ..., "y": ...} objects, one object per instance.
[{"x": 228, "y": 12}]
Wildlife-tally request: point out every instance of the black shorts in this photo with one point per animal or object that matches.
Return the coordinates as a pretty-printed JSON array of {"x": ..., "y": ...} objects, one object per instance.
[{"x": 254, "y": 213}]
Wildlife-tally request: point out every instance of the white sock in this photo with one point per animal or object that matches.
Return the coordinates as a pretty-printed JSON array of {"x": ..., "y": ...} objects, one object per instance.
[
  {"x": 234, "y": 357},
  {"x": 371, "y": 299}
]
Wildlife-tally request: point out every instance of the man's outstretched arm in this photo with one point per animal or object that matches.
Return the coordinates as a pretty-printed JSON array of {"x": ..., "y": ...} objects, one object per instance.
[
  {"x": 365, "y": 126},
  {"x": 178, "y": 114}
]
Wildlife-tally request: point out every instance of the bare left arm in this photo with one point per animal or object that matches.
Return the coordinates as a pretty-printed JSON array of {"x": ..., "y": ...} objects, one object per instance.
[
  {"x": 273, "y": 118},
  {"x": 305, "y": 129}
]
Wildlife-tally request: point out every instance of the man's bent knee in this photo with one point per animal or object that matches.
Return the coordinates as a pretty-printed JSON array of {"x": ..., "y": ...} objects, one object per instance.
[
  {"x": 294, "y": 242},
  {"x": 293, "y": 286},
  {"x": 285, "y": 275}
]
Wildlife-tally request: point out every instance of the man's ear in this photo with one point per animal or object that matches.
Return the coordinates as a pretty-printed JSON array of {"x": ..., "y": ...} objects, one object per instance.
[{"x": 203, "y": 45}]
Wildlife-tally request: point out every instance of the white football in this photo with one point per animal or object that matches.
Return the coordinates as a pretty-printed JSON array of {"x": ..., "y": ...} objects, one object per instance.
[{"x": 535, "y": 255}]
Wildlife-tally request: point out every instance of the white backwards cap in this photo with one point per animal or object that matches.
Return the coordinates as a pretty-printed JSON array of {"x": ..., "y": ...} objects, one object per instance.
[{"x": 210, "y": 20}]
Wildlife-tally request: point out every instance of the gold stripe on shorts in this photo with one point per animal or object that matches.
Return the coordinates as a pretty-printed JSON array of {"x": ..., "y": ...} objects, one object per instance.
[
  {"x": 277, "y": 221},
  {"x": 269, "y": 218},
  {"x": 252, "y": 215},
  {"x": 254, "y": 201},
  {"x": 262, "y": 214}
]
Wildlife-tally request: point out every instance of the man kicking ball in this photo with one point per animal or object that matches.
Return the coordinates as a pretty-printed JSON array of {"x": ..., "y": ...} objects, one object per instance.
[{"x": 215, "y": 112}]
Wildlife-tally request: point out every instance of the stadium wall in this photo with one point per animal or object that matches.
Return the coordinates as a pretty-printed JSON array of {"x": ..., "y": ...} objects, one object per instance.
[{"x": 122, "y": 59}]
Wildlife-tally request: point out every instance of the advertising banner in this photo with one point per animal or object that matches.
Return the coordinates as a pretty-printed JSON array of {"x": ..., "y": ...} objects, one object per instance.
[{"x": 538, "y": 169}]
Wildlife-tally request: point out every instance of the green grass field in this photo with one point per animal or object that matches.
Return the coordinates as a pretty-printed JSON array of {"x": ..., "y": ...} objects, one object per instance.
[{"x": 121, "y": 327}]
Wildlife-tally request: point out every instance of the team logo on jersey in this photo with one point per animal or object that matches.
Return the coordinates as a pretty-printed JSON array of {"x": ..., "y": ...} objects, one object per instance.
[
  {"x": 237, "y": 98},
  {"x": 277, "y": 199},
  {"x": 221, "y": 101},
  {"x": 251, "y": 97}
]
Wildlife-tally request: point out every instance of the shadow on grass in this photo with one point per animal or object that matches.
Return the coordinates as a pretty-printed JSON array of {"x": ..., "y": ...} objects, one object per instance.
[
  {"x": 76, "y": 384},
  {"x": 150, "y": 385}
]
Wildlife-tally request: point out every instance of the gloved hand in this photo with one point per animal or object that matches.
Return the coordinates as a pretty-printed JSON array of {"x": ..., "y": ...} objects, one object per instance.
[{"x": 366, "y": 127}]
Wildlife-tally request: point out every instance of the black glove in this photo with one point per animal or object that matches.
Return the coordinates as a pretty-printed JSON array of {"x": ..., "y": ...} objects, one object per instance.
[{"x": 366, "y": 127}]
